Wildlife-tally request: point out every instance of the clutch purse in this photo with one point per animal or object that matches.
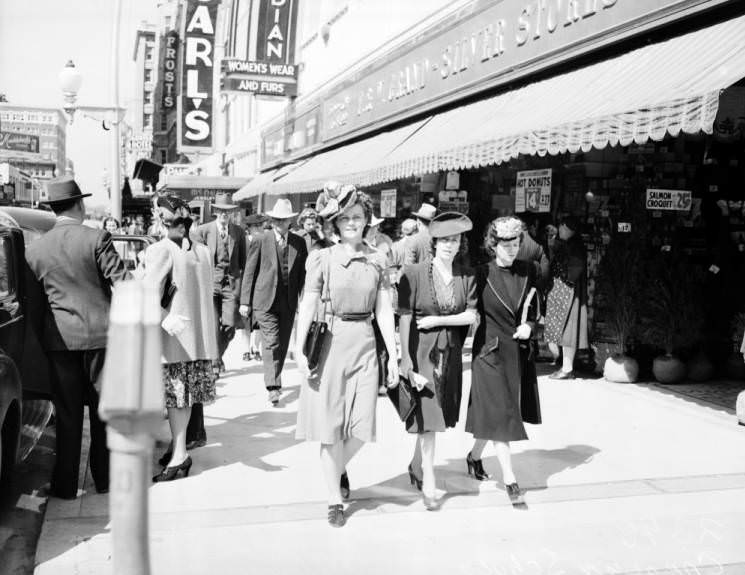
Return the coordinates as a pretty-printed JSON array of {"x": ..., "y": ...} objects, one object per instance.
[
  {"x": 169, "y": 290},
  {"x": 318, "y": 331},
  {"x": 403, "y": 398}
]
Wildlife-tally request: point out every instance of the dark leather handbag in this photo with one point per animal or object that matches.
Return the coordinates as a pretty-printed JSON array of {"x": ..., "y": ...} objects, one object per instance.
[
  {"x": 318, "y": 331},
  {"x": 403, "y": 398},
  {"x": 169, "y": 290}
]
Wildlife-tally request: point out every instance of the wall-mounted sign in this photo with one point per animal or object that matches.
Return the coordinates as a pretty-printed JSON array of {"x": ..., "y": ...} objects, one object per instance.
[
  {"x": 261, "y": 78},
  {"x": 624, "y": 227},
  {"x": 258, "y": 86},
  {"x": 196, "y": 121},
  {"x": 671, "y": 200},
  {"x": 490, "y": 45},
  {"x": 179, "y": 169},
  {"x": 137, "y": 144},
  {"x": 16, "y": 142},
  {"x": 169, "y": 72},
  {"x": 453, "y": 201},
  {"x": 452, "y": 181},
  {"x": 276, "y": 31},
  {"x": 388, "y": 203},
  {"x": 533, "y": 191}
]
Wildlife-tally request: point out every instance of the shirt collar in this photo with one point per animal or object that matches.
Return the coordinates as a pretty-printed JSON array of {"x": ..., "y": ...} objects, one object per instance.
[
  {"x": 344, "y": 258},
  {"x": 68, "y": 220},
  {"x": 277, "y": 236}
]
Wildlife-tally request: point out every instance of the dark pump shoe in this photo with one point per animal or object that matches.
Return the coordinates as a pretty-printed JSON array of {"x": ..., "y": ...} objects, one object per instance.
[
  {"x": 515, "y": 495},
  {"x": 415, "y": 481},
  {"x": 171, "y": 473},
  {"x": 561, "y": 374},
  {"x": 344, "y": 486},
  {"x": 476, "y": 468},
  {"x": 336, "y": 515}
]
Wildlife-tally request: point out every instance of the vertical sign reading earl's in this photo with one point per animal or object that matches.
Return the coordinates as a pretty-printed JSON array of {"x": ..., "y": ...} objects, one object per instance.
[
  {"x": 275, "y": 36},
  {"x": 196, "y": 123},
  {"x": 170, "y": 63}
]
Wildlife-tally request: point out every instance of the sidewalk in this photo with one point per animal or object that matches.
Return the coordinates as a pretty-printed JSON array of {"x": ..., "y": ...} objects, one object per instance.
[{"x": 620, "y": 479}]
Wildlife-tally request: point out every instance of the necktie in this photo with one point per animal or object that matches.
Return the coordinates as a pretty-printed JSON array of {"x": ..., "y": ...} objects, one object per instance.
[{"x": 223, "y": 233}]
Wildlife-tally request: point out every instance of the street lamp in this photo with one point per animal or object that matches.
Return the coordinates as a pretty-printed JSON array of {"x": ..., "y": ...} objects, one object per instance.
[{"x": 70, "y": 80}]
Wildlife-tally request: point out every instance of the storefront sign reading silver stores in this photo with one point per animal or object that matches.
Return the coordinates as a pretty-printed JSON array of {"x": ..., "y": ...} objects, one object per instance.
[
  {"x": 195, "y": 126},
  {"x": 489, "y": 47},
  {"x": 676, "y": 200}
]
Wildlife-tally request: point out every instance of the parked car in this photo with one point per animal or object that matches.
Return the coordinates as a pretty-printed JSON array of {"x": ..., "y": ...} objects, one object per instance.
[{"x": 25, "y": 390}]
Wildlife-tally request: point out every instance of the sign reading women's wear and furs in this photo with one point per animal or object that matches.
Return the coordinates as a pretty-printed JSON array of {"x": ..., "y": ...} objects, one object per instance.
[
  {"x": 674, "y": 200},
  {"x": 533, "y": 191},
  {"x": 196, "y": 119}
]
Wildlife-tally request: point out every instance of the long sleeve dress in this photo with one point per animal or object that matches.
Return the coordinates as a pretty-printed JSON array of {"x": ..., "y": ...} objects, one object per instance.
[
  {"x": 436, "y": 353},
  {"x": 504, "y": 386}
]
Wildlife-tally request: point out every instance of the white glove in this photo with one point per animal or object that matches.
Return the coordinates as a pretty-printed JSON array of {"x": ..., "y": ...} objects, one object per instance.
[
  {"x": 174, "y": 324},
  {"x": 523, "y": 332}
]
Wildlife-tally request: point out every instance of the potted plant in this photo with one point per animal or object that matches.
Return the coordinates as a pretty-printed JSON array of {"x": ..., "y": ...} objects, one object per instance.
[
  {"x": 672, "y": 317},
  {"x": 735, "y": 367},
  {"x": 619, "y": 283}
]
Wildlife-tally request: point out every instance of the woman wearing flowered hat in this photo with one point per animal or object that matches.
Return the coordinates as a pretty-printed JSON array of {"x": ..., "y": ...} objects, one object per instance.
[
  {"x": 337, "y": 403},
  {"x": 504, "y": 387},
  {"x": 437, "y": 304},
  {"x": 183, "y": 271}
]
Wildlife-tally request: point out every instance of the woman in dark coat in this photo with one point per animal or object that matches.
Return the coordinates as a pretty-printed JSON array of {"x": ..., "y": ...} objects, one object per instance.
[
  {"x": 437, "y": 304},
  {"x": 566, "y": 305},
  {"x": 504, "y": 387}
]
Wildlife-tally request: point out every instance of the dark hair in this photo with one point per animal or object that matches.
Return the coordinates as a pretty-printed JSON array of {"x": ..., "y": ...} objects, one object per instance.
[
  {"x": 65, "y": 205},
  {"x": 108, "y": 219},
  {"x": 358, "y": 198}
]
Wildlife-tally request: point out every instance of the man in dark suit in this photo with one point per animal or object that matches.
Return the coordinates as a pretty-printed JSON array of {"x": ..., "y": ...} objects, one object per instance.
[
  {"x": 272, "y": 282},
  {"x": 77, "y": 267},
  {"x": 419, "y": 245},
  {"x": 227, "y": 244}
]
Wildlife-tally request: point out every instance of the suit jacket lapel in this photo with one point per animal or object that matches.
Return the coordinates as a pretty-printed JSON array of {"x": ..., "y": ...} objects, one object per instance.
[
  {"x": 231, "y": 240},
  {"x": 212, "y": 239},
  {"x": 495, "y": 283},
  {"x": 291, "y": 252}
]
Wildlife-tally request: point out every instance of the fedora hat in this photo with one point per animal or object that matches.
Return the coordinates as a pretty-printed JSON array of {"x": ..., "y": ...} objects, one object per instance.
[
  {"x": 282, "y": 210},
  {"x": 425, "y": 212},
  {"x": 449, "y": 224},
  {"x": 63, "y": 189},
  {"x": 254, "y": 220},
  {"x": 224, "y": 201}
]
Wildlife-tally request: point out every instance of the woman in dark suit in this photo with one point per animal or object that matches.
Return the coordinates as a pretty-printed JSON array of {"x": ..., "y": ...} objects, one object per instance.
[
  {"x": 437, "y": 304},
  {"x": 504, "y": 387}
]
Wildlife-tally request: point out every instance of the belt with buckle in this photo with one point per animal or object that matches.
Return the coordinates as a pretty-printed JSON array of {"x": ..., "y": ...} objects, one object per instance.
[{"x": 359, "y": 316}]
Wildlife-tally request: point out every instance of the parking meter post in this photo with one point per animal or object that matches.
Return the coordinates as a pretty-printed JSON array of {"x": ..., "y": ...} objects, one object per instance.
[{"x": 132, "y": 404}]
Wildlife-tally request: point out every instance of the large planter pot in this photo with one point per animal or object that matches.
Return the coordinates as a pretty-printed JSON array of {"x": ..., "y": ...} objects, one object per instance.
[
  {"x": 735, "y": 366},
  {"x": 700, "y": 368},
  {"x": 621, "y": 369},
  {"x": 668, "y": 369}
]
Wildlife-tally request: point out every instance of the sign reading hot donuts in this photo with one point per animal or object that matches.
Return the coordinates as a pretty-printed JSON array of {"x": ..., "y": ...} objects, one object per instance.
[{"x": 196, "y": 121}]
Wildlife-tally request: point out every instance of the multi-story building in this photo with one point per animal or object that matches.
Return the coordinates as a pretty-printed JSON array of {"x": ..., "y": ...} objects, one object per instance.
[{"x": 49, "y": 126}]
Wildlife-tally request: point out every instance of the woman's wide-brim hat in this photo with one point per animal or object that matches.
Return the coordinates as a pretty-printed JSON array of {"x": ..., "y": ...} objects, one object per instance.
[
  {"x": 63, "y": 189},
  {"x": 449, "y": 224},
  {"x": 346, "y": 194},
  {"x": 224, "y": 201},
  {"x": 172, "y": 210},
  {"x": 282, "y": 210}
]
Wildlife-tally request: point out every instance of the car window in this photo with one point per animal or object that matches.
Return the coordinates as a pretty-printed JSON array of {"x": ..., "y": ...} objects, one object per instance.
[{"x": 131, "y": 250}]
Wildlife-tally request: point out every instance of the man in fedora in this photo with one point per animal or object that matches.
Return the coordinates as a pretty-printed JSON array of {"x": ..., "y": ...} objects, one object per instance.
[
  {"x": 227, "y": 244},
  {"x": 76, "y": 266},
  {"x": 419, "y": 246},
  {"x": 272, "y": 282}
]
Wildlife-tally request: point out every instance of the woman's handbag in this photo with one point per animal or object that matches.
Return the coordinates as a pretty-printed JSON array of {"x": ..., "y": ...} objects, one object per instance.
[
  {"x": 169, "y": 290},
  {"x": 319, "y": 329},
  {"x": 403, "y": 398}
]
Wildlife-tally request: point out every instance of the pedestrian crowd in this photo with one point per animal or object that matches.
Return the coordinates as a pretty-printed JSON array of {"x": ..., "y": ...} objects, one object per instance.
[{"x": 333, "y": 293}]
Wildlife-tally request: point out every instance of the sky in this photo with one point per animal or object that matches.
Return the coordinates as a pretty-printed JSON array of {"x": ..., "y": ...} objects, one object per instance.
[{"x": 38, "y": 37}]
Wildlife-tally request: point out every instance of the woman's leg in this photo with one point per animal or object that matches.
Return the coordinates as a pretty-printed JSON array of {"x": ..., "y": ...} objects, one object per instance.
[
  {"x": 478, "y": 448},
  {"x": 427, "y": 442},
  {"x": 504, "y": 455},
  {"x": 554, "y": 349},
  {"x": 568, "y": 360},
  {"x": 332, "y": 464},
  {"x": 416, "y": 459},
  {"x": 178, "y": 420},
  {"x": 350, "y": 449}
]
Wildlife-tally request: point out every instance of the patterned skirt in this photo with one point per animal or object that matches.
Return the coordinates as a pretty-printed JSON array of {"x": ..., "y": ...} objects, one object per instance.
[{"x": 190, "y": 382}]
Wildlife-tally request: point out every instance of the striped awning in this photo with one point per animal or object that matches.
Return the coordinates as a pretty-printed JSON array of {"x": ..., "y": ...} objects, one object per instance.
[{"x": 664, "y": 88}]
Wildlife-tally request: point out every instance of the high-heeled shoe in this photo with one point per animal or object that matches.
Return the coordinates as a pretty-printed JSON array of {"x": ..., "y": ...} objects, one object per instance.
[
  {"x": 430, "y": 503},
  {"x": 476, "y": 468},
  {"x": 415, "y": 481},
  {"x": 344, "y": 486},
  {"x": 336, "y": 515},
  {"x": 171, "y": 473},
  {"x": 515, "y": 495}
]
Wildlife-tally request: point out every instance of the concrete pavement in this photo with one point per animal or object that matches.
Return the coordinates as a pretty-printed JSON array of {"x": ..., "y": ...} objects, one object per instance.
[{"x": 620, "y": 479}]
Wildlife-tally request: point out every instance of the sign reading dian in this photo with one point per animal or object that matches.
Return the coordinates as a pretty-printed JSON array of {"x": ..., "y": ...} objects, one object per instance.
[{"x": 196, "y": 121}]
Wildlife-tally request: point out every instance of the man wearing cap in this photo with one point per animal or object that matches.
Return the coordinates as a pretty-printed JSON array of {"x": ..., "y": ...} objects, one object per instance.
[
  {"x": 76, "y": 266},
  {"x": 227, "y": 244},
  {"x": 272, "y": 282},
  {"x": 419, "y": 246}
]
